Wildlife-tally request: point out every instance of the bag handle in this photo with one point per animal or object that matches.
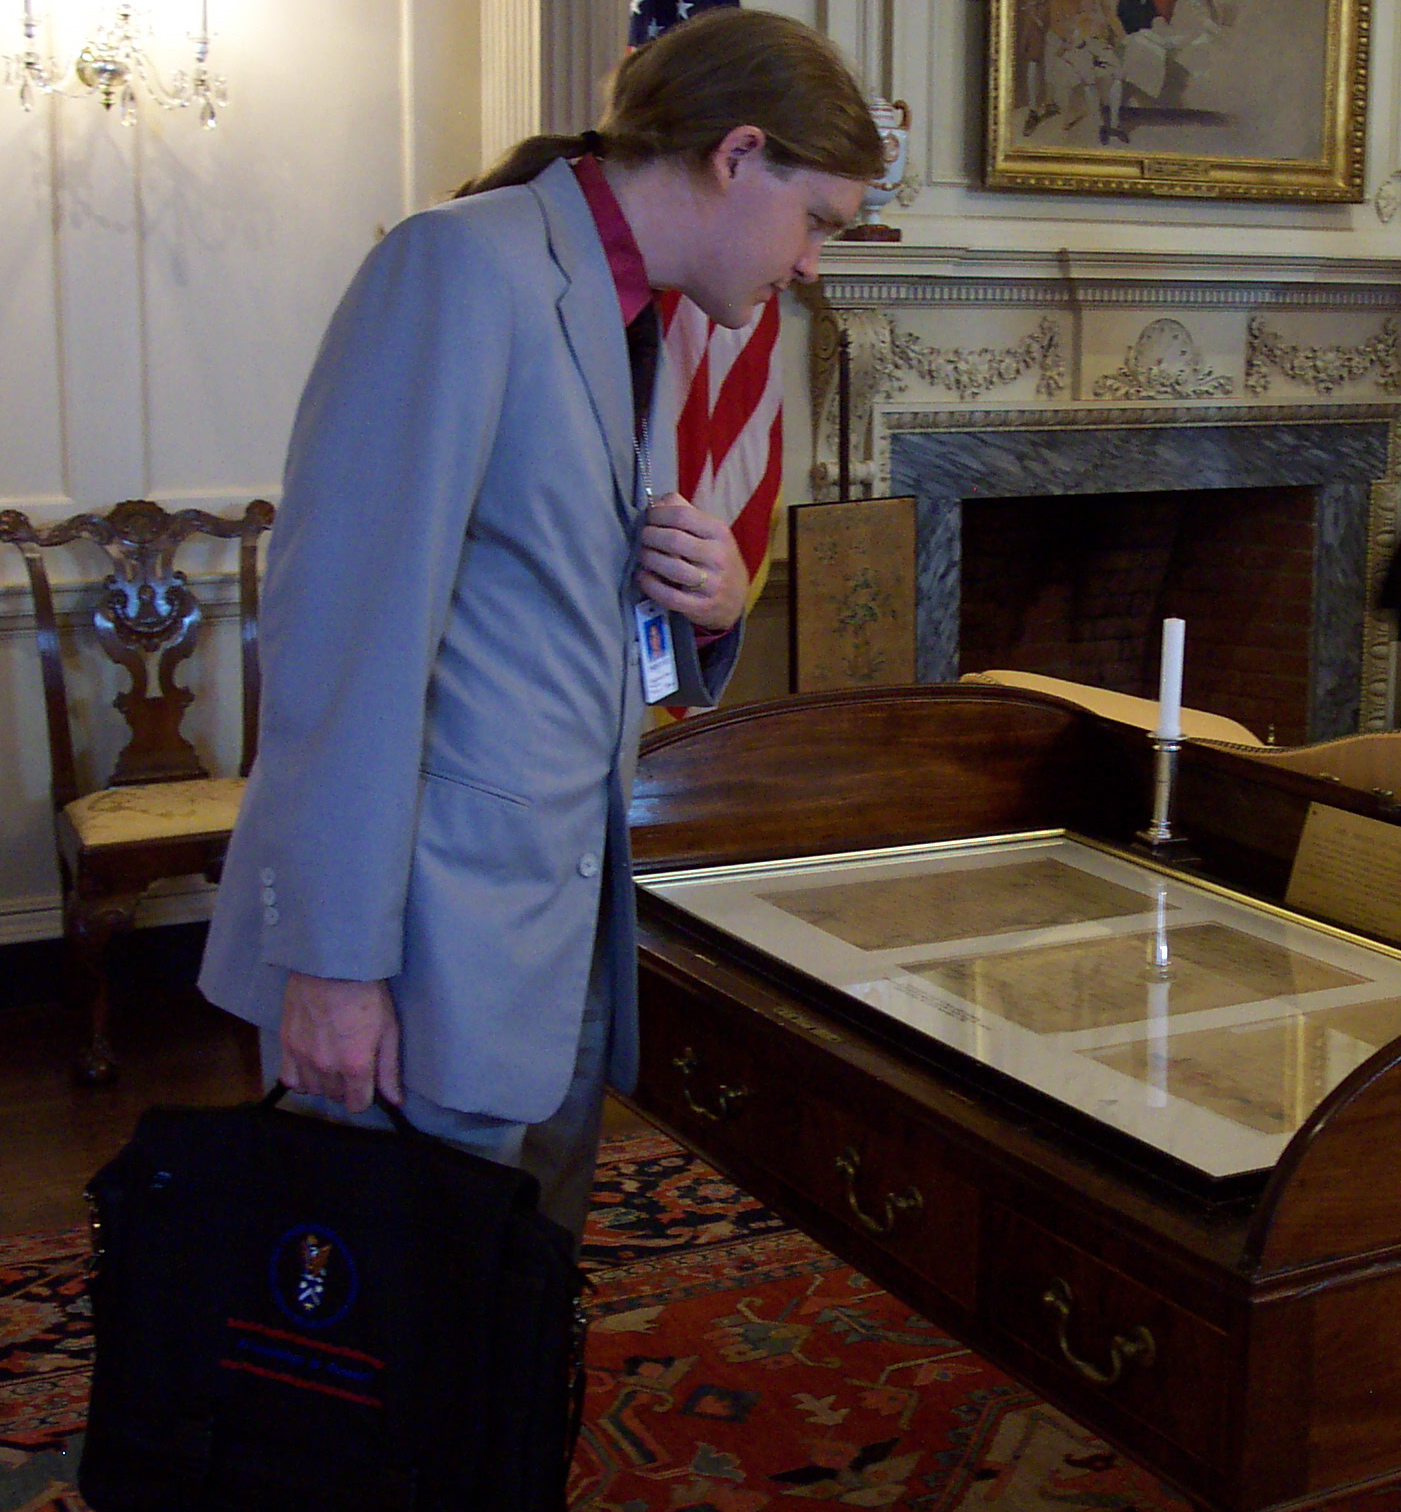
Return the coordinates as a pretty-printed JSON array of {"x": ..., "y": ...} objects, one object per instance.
[
  {"x": 393, "y": 1111},
  {"x": 523, "y": 1189}
]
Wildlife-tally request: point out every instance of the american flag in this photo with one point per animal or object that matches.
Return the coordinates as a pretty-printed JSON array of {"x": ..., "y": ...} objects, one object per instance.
[
  {"x": 729, "y": 434},
  {"x": 650, "y": 18}
]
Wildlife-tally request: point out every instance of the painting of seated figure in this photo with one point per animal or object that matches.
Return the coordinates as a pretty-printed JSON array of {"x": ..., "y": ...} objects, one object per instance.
[{"x": 1255, "y": 99}]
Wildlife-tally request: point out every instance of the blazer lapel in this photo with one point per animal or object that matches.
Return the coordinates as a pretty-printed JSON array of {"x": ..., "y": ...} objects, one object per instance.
[{"x": 593, "y": 327}]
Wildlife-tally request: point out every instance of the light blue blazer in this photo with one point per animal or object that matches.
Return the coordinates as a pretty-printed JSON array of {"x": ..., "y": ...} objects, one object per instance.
[{"x": 451, "y": 697}]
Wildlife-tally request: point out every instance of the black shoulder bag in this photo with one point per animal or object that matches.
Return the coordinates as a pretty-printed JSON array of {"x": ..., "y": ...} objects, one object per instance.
[{"x": 294, "y": 1315}]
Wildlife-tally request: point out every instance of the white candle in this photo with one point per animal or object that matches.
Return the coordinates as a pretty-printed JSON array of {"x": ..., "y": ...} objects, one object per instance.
[{"x": 1170, "y": 681}]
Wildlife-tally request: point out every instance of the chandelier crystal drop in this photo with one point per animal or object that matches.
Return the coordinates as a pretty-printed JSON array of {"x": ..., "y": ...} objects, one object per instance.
[{"x": 114, "y": 68}]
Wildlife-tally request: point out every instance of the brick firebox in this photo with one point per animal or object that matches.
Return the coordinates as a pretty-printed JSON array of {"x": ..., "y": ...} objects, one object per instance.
[
  {"x": 1222, "y": 518},
  {"x": 1077, "y": 587}
]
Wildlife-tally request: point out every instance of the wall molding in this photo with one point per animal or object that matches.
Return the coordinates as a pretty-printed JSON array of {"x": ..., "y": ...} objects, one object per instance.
[
  {"x": 928, "y": 289},
  {"x": 1100, "y": 274},
  {"x": 27, "y": 920},
  {"x": 1164, "y": 363},
  {"x": 1102, "y": 416}
]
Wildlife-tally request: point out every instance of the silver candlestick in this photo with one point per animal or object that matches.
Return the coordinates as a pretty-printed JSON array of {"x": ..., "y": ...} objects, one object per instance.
[{"x": 1158, "y": 838}]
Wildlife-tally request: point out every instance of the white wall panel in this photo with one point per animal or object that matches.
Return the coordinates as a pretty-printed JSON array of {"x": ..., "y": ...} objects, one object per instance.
[
  {"x": 31, "y": 436},
  {"x": 253, "y": 229},
  {"x": 163, "y": 292},
  {"x": 443, "y": 119}
]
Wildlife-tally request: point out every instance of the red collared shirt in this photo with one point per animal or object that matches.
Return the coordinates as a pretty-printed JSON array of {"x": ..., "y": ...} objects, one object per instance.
[
  {"x": 619, "y": 245},
  {"x": 624, "y": 263}
]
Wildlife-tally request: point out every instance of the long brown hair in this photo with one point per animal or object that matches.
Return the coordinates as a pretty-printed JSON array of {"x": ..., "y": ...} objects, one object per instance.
[{"x": 679, "y": 95}]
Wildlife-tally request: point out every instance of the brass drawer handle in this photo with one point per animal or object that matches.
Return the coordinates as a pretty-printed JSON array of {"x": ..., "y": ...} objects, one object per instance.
[
  {"x": 1134, "y": 1348},
  {"x": 727, "y": 1099},
  {"x": 849, "y": 1165}
]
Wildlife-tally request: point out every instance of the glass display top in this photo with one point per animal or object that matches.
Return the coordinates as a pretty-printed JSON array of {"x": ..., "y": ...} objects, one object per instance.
[{"x": 1204, "y": 1025}]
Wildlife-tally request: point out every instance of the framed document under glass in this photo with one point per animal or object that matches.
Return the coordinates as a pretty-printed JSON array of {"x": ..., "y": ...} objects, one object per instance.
[{"x": 1169, "y": 1018}]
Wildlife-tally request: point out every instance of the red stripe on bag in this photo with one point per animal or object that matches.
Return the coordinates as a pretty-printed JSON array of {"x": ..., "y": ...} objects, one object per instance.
[
  {"x": 291, "y": 1380},
  {"x": 295, "y": 1338}
]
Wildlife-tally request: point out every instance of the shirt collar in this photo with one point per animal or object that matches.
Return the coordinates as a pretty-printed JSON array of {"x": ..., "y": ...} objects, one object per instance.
[{"x": 619, "y": 245}]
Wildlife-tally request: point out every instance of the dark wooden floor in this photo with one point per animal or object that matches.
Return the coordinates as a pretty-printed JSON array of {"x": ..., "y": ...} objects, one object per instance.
[{"x": 172, "y": 1047}]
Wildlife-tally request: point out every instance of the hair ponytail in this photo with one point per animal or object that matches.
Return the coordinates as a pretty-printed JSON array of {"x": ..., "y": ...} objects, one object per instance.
[{"x": 529, "y": 158}]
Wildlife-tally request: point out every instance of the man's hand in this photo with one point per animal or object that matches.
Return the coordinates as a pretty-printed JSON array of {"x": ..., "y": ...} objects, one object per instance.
[
  {"x": 689, "y": 562},
  {"x": 340, "y": 1040}
]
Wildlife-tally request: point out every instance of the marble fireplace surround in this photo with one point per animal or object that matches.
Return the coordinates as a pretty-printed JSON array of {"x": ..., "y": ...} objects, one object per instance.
[
  {"x": 1341, "y": 454},
  {"x": 1031, "y": 373}
]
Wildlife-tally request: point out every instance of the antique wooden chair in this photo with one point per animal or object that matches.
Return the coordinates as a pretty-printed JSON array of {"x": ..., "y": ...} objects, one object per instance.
[{"x": 160, "y": 814}]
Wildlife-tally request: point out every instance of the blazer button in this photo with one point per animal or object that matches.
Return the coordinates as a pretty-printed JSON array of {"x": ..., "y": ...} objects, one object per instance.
[
  {"x": 267, "y": 876},
  {"x": 269, "y": 895},
  {"x": 588, "y": 864},
  {"x": 270, "y": 915}
]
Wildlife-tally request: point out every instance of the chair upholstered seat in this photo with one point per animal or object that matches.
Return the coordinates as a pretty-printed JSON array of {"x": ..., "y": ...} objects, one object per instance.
[{"x": 156, "y": 810}]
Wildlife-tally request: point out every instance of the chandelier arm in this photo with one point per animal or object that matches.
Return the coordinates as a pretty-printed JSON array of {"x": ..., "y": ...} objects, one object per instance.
[{"x": 110, "y": 66}]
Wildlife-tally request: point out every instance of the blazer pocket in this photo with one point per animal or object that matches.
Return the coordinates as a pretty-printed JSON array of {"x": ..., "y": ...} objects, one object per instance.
[{"x": 476, "y": 785}]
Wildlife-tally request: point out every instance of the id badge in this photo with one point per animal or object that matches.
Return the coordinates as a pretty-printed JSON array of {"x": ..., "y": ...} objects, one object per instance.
[{"x": 655, "y": 653}]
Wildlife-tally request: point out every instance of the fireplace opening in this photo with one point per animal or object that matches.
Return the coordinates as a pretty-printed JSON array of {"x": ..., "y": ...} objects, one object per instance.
[{"x": 1077, "y": 586}]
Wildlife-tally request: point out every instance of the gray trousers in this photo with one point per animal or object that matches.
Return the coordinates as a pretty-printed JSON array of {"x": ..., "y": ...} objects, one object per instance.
[{"x": 560, "y": 1152}]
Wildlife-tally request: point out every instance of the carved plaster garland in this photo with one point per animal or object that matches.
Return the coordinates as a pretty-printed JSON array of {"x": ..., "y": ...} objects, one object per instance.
[
  {"x": 1322, "y": 368},
  {"x": 971, "y": 373},
  {"x": 1388, "y": 199},
  {"x": 1164, "y": 363},
  {"x": 880, "y": 359}
]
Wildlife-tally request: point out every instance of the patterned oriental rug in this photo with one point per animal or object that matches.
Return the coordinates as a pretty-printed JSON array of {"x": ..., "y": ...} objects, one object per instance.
[{"x": 733, "y": 1366}]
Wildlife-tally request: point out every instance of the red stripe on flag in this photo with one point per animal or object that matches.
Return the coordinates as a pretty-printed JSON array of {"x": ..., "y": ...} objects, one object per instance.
[
  {"x": 751, "y": 525},
  {"x": 693, "y": 432},
  {"x": 744, "y": 384}
]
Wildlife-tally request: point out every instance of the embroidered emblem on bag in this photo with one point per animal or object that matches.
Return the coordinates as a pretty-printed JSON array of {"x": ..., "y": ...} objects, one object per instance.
[
  {"x": 314, "y": 1279},
  {"x": 311, "y": 1287}
]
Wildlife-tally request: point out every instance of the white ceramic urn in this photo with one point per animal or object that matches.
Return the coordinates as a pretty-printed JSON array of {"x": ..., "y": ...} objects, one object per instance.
[{"x": 893, "y": 123}]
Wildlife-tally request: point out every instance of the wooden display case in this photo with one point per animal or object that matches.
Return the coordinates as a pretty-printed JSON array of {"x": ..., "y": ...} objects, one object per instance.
[{"x": 1237, "y": 1330}]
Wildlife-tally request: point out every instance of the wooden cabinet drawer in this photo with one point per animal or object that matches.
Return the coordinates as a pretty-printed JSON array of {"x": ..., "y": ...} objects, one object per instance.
[
  {"x": 754, "y": 1095},
  {"x": 1104, "y": 1336},
  {"x": 888, "y": 1178},
  {"x": 698, "y": 1074}
]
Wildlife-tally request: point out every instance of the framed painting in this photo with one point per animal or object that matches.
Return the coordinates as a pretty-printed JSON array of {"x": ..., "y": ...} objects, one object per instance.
[
  {"x": 851, "y": 594},
  {"x": 1222, "y": 99}
]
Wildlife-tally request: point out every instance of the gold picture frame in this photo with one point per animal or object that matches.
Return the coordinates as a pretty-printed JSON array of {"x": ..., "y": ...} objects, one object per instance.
[
  {"x": 851, "y": 570},
  {"x": 1216, "y": 99}
]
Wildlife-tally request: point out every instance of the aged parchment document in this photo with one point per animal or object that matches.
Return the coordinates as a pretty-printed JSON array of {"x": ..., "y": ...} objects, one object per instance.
[
  {"x": 900, "y": 912},
  {"x": 1269, "y": 1077},
  {"x": 1096, "y": 983}
]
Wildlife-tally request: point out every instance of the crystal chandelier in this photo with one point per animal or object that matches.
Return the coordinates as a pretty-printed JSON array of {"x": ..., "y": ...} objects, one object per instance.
[{"x": 112, "y": 65}]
